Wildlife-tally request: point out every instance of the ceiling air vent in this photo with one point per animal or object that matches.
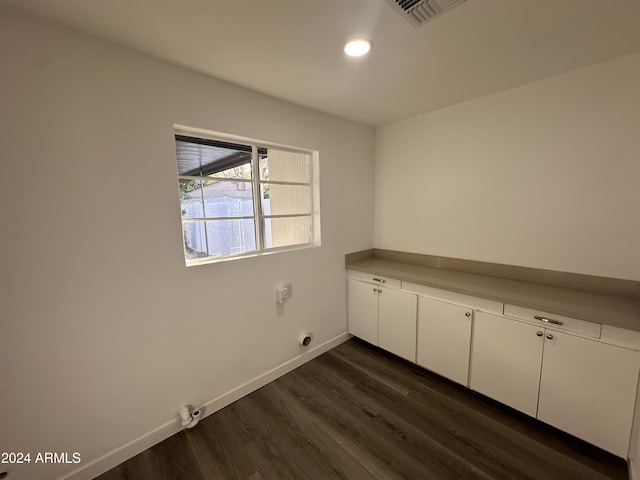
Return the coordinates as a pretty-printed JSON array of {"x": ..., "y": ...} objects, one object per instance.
[{"x": 423, "y": 11}]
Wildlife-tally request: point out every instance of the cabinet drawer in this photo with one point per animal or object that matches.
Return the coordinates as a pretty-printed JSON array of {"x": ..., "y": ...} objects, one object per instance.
[
  {"x": 554, "y": 321},
  {"x": 621, "y": 337},
  {"x": 375, "y": 279}
]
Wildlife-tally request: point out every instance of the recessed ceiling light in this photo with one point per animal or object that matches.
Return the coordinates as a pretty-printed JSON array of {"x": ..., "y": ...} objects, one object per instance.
[{"x": 357, "y": 47}]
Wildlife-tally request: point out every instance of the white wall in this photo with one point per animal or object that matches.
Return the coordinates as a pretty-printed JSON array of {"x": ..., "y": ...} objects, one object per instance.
[
  {"x": 104, "y": 332},
  {"x": 545, "y": 175}
]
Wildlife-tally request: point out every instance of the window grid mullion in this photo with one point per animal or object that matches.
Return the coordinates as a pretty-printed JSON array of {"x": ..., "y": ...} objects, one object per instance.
[
  {"x": 257, "y": 203},
  {"x": 214, "y": 179},
  {"x": 204, "y": 208},
  {"x": 280, "y": 182},
  {"x": 286, "y": 215},
  {"x": 311, "y": 182},
  {"x": 213, "y": 219}
]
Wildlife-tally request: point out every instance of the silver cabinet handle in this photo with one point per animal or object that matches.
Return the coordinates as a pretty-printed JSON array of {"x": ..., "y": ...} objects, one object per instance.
[
  {"x": 381, "y": 280},
  {"x": 467, "y": 314},
  {"x": 539, "y": 333},
  {"x": 549, "y": 336},
  {"x": 548, "y": 320}
]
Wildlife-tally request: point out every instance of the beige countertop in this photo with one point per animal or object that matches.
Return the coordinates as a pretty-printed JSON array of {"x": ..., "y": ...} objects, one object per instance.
[{"x": 611, "y": 310}]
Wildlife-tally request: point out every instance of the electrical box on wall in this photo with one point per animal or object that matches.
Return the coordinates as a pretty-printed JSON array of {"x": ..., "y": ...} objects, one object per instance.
[{"x": 283, "y": 293}]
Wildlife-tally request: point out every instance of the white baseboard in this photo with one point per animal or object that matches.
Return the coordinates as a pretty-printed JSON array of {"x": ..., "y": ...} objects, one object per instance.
[{"x": 130, "y": 449}]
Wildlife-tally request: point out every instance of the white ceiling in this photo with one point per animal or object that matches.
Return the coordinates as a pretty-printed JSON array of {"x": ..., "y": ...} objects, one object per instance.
[{"x": 292, "y": 49}]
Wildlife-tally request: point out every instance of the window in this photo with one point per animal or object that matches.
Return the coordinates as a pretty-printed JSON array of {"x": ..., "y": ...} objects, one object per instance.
[{"x": 241, "y": 198}]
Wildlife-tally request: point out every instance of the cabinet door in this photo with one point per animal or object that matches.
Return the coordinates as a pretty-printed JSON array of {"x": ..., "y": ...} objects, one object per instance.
[
  {"x": 363, "y": 310},
  {"x": 505, "y": 361},
  {"x": 444, "y": 338},
  {"x": 588, "y": 389},
  {"x": 397, "y": 322}
]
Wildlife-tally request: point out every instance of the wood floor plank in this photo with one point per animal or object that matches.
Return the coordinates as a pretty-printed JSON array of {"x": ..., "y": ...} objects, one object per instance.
[
  {"x": 456, "y": 428},
  {"x": 446, "y": 423},
  {"x": 358, "y": 413},
  {"x": 216, "y": 446},
  {"x": 286, "y": 434},
  {"x": 409, "y": 430},
  {"x": 404, "y": 450},
  {"x": 524, "y": 438},
  {"x": 335, "y": 418},
  {"x": 319, "y": 447}
]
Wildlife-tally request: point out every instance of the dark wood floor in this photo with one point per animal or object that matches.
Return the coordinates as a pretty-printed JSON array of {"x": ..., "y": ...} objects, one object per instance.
[{"x": 357, "y": 412}]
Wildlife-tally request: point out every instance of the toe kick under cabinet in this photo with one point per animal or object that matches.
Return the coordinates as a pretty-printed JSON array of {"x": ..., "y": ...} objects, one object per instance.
[{"x": 578, "y": 376}]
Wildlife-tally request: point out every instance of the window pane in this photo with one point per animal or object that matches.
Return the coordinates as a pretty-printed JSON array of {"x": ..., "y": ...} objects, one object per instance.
[
  {"x": 218, "y": 160},
  {"x": 195, "y": 240},
  {"x": 191, "y": 198},
  {"x": 228, "y": 199},
  {"x": 227, "y": 237},
  {"x": 285, "y": 199},
  {"x": 218, "y": 237},
  {"x": 238, "y": 171},
  {"x": 283, "y": 166},
  {"x": 280, "y": 232}
]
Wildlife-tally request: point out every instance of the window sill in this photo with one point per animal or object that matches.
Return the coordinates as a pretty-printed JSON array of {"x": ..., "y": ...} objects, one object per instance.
[{"x": 241, "y": 256}]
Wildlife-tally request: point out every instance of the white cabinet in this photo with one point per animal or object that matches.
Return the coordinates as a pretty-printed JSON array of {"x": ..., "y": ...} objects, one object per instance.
[
  {"x": 588, "y": 389},
  {"x": 384, "y": 317},
  {"x": 397, "y": 322},
  {"x": 363, "y": 311},
  {"x": 582, "y": 386},
  {"x": 578, "y": 376},
  {"x": 444, "y": 338},
  {"x": 505, "y": 361}
]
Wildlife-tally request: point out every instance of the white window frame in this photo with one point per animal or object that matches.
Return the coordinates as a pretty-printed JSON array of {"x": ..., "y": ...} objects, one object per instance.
[{"x": 256, "y": 182}]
